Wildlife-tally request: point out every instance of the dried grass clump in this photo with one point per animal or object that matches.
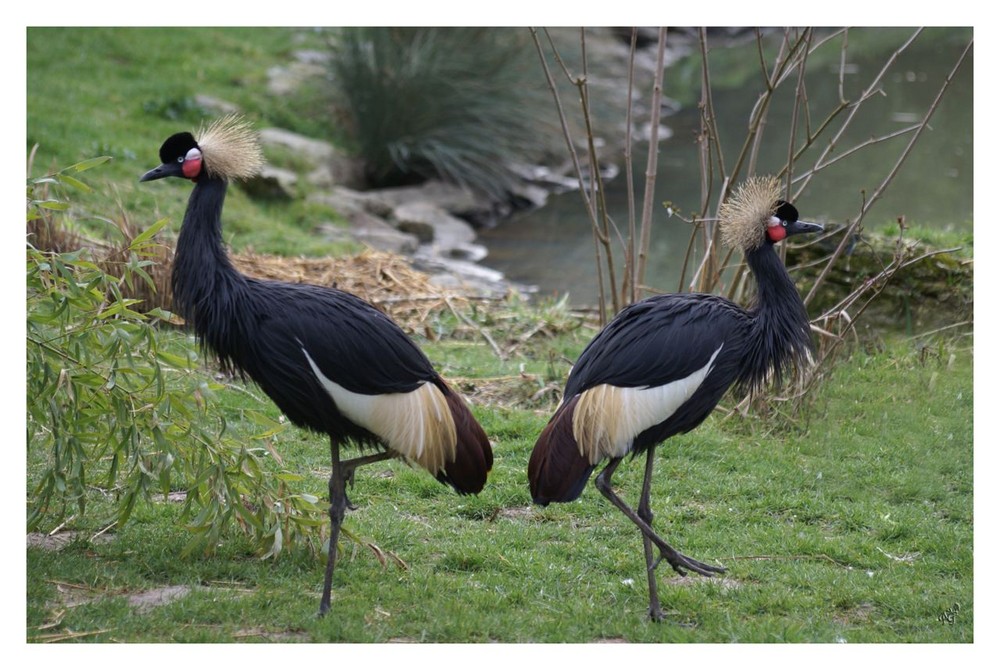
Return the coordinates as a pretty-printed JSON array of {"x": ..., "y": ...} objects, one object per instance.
[{"x": 384, "y": 279}]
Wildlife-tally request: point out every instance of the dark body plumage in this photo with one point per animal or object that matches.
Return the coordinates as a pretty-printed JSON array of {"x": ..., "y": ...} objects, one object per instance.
[
  {"x": 330, "y": 361},
  {"x": 635, "y": 351},
  {"x": 260, "y": 329},
  {"x": 659, "y": 368}
]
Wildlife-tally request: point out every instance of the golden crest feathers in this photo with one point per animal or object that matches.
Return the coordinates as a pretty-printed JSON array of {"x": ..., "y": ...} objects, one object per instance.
[
  {"x": 742, "y": 218},
  {"x": 231, "y": 148}
]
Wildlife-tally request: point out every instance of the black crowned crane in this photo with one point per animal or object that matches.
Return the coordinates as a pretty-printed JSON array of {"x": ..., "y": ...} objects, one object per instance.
[
  {"x": 662, "y": 364},
  {"x": 330, "y": 361}
]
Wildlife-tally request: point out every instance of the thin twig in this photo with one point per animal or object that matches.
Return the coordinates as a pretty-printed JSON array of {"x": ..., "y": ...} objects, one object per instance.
[
  {"x": 858, "y": 147},
  {"x": 473, "y": 324},
  {"x": 591, "y": 212},
  {"x": 60, "y": 637},
  {"x": 651, "y": 158},
  {"x": 892, "y": 173},
  {"x": 630, "y": 252},
  {"x": 938, "y": 330},
  {"x": 792, "y": 557},
  {"x": 103, "y": 530},
  {"x": 801, "y": 103},
  {"x": 856, "y": 106},
  {"x": 603, "y": 232}
]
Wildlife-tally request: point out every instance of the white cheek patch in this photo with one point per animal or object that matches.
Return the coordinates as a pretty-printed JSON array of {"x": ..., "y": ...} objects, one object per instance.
[{"x": 608, "y": 418}]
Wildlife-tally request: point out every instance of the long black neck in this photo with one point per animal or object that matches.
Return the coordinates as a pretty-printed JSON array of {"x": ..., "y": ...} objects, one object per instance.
[
  {"x": 780, "y": 336},
  {"x": 206, "y": 286}
]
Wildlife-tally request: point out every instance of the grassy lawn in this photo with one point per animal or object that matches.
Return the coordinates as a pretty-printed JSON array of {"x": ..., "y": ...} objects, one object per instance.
[
  {"x": 102, "y": 76},
  {"x": 852, "y": 523}
]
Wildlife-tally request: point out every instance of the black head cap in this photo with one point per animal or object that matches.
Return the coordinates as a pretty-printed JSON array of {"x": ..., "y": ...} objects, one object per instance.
[
  {"x": 786, "y": 212},
  {"x": 177, "y": 146},
  {"x": 788, "y": 223},
  {"x": 175, "y": 154}
]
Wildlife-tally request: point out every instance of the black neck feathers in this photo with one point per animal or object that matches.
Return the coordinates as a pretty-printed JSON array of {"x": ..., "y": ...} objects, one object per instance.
[
  {"x": 206, "y": 287},
  {"x": 780, "y": 335}
]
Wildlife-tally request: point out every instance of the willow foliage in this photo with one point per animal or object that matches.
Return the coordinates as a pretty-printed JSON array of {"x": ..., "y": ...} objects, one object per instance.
[{"x": 117, "y": 405}]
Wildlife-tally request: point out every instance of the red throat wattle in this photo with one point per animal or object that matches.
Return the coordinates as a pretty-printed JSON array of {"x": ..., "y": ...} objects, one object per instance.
[
  {"x": 191, "y": 167},
  {"x": 775, "y": 233}
]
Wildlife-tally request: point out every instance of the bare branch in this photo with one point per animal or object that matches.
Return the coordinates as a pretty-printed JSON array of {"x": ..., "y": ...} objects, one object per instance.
[
  {"x": 858, "y": 147},
  {"x": 856, "y": 106},
  {"x": 573, "y": 156},
  {"x": 892, "y": 173},
  {"x": 630, "y": 290},
  {"x": 651, "y": 158}
]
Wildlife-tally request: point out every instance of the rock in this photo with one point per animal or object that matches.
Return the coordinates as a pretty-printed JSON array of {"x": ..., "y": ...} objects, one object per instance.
[
  {"x": 284, "y": 80},
  {"x": 453, "y": 273},
  {"x": 316, "y": 151},
  {"x": 215, "y": 105},
  {"x": 416, "y": 221},
  {"x": 452, "y": 198},
  {"x": 385, "y": 238},
  {"x": 432, "y": 224},
  {"x": 364, "y": 226},
  {"x": 373, "y": 232},
  {"x": 339, "y": 170},
  {"x": 663, "y": 132},
  {"x": 312, "y": 57},
  {"x": 330, "y": 166},
  {"x": 272, "y": 184},
  {"x": 472, "y": 253}
]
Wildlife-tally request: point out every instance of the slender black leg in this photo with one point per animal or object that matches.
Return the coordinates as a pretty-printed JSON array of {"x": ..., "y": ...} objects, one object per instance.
[
  {"x": 646, "y": 514},
  {"x": 343, "y": 473},
  {"x": 338, "y": 504},
  {"x": 678, "y": 561}
]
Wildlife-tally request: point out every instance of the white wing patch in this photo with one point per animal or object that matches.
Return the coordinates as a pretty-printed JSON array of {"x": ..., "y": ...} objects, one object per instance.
[
  {"x": 607, "y": 418},
  {"x": 418, "y": 424}
]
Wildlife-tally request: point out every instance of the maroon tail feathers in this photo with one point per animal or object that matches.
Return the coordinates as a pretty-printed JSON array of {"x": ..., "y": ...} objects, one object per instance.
[
  {"x": 473, "y": 455},
  {"x": 557, "y": 472}
]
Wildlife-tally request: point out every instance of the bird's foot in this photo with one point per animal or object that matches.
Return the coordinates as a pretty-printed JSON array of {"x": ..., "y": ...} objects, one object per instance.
[
  {"x": 681, "y": 563},
  {"x": 351, "y": 506},
  {"x": 349, "y": 483}
]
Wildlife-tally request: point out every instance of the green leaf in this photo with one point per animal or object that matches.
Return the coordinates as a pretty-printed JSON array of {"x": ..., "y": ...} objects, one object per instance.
[
  {"x": 55, "y": 205},
  {"x": 75, "y": 183},
  {"x": 148, "y": 234},
  {"x": 88, "y": 164}
]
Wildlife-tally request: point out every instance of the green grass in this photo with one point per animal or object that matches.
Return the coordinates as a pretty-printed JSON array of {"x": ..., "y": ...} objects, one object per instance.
[
  {"x": 121, "y": 91},
  {"x": 852, "y": 524}
]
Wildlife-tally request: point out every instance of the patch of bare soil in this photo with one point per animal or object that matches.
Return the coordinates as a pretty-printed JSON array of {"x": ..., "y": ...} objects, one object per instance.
[
  {"x": 58, "y": 540},
  {"x": 515, "y": 512},
  {"x": 855, "y": 615},
  {"x": 147, "y": 600},
  {"x": 51, "y": 542},
  {"x": 271, "y": 635}
]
